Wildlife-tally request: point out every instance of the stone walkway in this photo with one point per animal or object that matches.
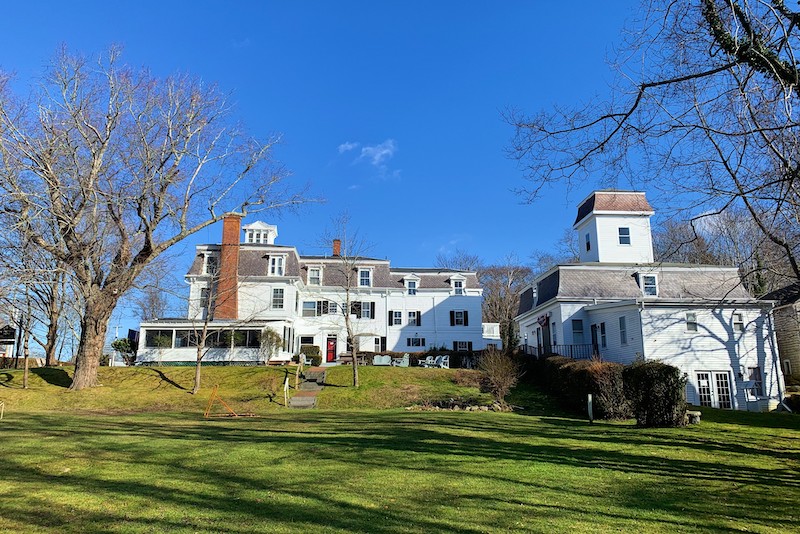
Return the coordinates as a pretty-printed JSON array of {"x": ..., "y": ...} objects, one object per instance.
[{"x": 313, "y": 380}]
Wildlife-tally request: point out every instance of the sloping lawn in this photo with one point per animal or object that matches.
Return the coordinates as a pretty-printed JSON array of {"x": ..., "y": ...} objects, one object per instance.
[{"x": 395, "y": 471}]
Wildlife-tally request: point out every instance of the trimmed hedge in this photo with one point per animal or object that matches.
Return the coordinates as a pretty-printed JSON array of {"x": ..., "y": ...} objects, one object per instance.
[
  {"x": 572, "y": 380},
  {"x": 657, "y": 393},
  {"x": 313, "y": 353}
]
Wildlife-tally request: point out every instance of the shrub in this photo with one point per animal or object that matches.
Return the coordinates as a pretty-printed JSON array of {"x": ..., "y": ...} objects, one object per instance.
[
  {"x": 572, "y": 380},
  {"x": 312, "y": 353},
  {"x": 500, "y": 373},
  {"x": 657, "y": 393}
]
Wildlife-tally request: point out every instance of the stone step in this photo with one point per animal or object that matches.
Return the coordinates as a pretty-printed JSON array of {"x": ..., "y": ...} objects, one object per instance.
[
  {"x": 310, "y": 386},
  {"x": 302, "y": 402}
]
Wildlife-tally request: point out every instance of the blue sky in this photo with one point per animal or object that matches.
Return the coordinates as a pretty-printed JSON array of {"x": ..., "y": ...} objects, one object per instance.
[{"x": 389, "y": 110}]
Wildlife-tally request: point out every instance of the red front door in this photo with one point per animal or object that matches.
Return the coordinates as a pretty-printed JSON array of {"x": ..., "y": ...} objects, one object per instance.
[{"x": 330, "y": 353}]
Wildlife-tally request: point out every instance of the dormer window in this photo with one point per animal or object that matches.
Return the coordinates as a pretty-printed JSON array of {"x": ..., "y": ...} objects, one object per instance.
[
  {"x": 649, "y": 284},
  {"x": 457, "y": 283},
  {"x": 365, "y": 277},
  {"x": 624, "y": 236},
  {"x": 276, "y": 265},
  {"x": 211, "y": 265},
  {"x": 412, "y": 283},
  {"x": 314, "y": 276}
]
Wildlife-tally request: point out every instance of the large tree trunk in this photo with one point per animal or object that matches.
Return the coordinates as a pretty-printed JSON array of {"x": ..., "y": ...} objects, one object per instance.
[
  {"x": 94, "y": 325},
  {"x": 50, "y": 344}
]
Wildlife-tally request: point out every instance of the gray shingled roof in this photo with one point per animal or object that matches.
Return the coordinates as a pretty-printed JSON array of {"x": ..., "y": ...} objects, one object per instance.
[{"x": 684, "y": 282}]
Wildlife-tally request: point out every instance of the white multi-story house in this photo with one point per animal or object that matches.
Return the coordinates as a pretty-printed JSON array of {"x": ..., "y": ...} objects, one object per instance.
[
  {"x": 244, "y": 285},
  {"x": 621, "y": 305}
]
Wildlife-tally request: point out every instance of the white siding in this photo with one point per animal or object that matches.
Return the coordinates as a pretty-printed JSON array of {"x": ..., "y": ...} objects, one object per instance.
[
  {"x": 715, "y": 346},
  {"x": 604, "y": 231},
  {"x": 615, "y": 350}
]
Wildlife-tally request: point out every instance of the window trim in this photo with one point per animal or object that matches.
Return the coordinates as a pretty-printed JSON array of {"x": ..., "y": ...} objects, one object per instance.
[
  {"x": 308, "y": 275},
  {"x": 603, "y": 337},
  {"x": 367, "y": 270},
  {"x": 207, "y": 262},
  {"x": 397, "y": 317},
  {"x": 275, "y": 298},
  {"x": 738, "y": 326},
  {"x": 581, "y": 332},
  {"x": 271, "y": 265},
  {"x": 623, "y": 330},
  {"x": 691, "y": 321}
]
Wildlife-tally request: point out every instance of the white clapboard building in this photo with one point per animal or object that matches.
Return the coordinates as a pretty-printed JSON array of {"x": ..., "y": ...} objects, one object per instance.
[
  {"x": 248, "y": 283},
  {"x": 619, "y": 304}
]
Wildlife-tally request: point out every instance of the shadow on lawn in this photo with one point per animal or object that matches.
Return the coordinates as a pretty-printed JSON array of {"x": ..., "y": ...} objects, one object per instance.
[
  {"x": 624, "y": 469},
  {"x": 53, "y": 376}
]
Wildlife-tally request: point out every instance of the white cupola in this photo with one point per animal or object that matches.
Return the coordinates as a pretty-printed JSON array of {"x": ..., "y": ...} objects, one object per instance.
[
  {"x": 260, "y": 233},
  {"x": 614, "y": 227}
]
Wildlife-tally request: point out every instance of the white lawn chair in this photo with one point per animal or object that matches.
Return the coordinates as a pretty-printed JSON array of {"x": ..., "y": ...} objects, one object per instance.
[
  {"x": 401, "y": 362},
  {"x": 427, "y": 362}
]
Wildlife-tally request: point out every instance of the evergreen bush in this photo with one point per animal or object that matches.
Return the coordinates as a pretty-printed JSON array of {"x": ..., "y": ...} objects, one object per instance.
[
  {"x": 313, "y": 353},
  {"x": 657, "y": 393},
  {"x": 572, "y": 380}
]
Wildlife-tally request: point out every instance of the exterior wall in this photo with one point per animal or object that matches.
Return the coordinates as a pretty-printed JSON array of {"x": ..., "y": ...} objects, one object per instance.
[
  {"x": 256, "y": 300},
  {"x": 787, "y": 332},
  {"x": 604, "y": 230},
  {"x": 615, "y": 350},
  {"x": 715, "y": 346}
]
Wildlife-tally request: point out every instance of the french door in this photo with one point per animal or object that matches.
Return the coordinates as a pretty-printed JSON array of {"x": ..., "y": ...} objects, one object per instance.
[{"x": 714, "y": 389}]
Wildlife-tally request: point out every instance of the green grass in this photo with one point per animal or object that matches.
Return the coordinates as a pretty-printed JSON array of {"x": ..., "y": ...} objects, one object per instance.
[{"x": 385, "y": 471}]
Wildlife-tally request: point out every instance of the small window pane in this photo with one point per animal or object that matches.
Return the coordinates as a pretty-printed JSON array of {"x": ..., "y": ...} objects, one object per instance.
[{"x": 624, "y": 236}]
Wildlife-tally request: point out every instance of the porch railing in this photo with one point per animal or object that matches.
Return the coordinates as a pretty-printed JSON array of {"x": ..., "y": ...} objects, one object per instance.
[{"x": 576, "y": 352}]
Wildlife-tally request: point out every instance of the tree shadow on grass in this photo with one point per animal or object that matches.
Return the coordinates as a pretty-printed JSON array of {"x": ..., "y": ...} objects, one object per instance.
[
  {"x": 166, "y": 379},
  {"x": 53, "y": 376},
  {"x": 6, "y": 379}
]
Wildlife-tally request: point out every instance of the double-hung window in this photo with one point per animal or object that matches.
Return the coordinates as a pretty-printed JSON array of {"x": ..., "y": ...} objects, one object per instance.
[
  {"x": 397, "y": 317},
  {"x": 276, "y": 266},
  {"x": 577, "y": 332},
  {"x": 623, "y": 331},
  {"x": 412, "y": 287},
  {"x": 277, "y": 298},
  {"x": 314, "y": 276},
  {"x": 649, "y": 285},
  {"x": 738, "y": 322},
  {"x": 624, "y": 236},
  {"x": 458, "y": 287},
  {"x": 364, "y": 277},
  {"x": 691, "y": 322}
]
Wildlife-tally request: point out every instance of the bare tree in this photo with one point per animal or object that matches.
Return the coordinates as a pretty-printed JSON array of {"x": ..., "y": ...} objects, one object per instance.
[
  {"x": 705, "y": 112},
  {"x": 565, "y": 251},
  {"x": 502, "y": 285},
  {"x": 122, "y": 166},
  {"x": 350, "y": 254},
  {"x": 459, "y": 260}
]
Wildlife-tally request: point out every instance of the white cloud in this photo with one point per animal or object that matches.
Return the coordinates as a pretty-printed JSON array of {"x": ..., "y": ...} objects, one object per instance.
[
  {"x": 345, "y": 147},
  {"x": 378, "y": 154}
]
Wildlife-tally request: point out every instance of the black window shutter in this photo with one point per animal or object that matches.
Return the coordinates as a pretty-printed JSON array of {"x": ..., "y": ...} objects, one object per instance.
[
  {"x": 455, "y": 343},
  {"x": 408, "y": 342},
  {"x": 469, "y": 344},
  {"x": 383, "y": 344},
  {"x": 423, "y": 341},
  {"x": 466, "y": 319},
  {"x": 452, "y": 318},
  {"x": 319, "y": 307},
  {"x": 372, "y": 310},
  {"x": 391, "y": 317},
  {"x": 419, "y": 318}
]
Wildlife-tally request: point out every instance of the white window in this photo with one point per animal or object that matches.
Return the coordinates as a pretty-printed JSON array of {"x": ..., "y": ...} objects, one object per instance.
[
  {"x": 277, "y": 298},
  {"x": 691, "y": 322},
  {"x": 623, "y": 331},
  {"x": 462, "y": 346},
  {"x": 458, "y": 318},
  {"x": 588, "y": 243},
  {"x": 412, "y": 287},
  {"x": 624, "y": 236},
  {"x": 603, "y": 335},
  {"x": 649, "y": 285},
  {"x": 553, "y": 333},
  {"x": 366, "y": 310},
  {"x": 212, "y": 265},
  {"x": 413, "y": 318},
  {"x": 458, "y": 287},
  {"x": 314, "y": 276},
  {"x": 738, "y": 322},
  {"x": 276, "y": 266},
  {"x": 204, "y": 299},
  {"x": 309, "y": 308},
  {"x": 397, "y": 317},
  {"x": 577, "y": 332},
  {"x": 365, "y": 277},
  {"x": 787, "y": 367},
  {"x": 250, "y": 236}
]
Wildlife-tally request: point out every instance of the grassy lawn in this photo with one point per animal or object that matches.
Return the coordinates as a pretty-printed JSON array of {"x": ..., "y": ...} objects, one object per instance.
[{"x": 357, "y": 470}]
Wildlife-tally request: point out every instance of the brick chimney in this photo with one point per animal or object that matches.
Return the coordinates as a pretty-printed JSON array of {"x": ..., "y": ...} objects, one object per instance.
[
  {"x": 227, "y": 301},
  {"x": 337, "y": 247}
]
